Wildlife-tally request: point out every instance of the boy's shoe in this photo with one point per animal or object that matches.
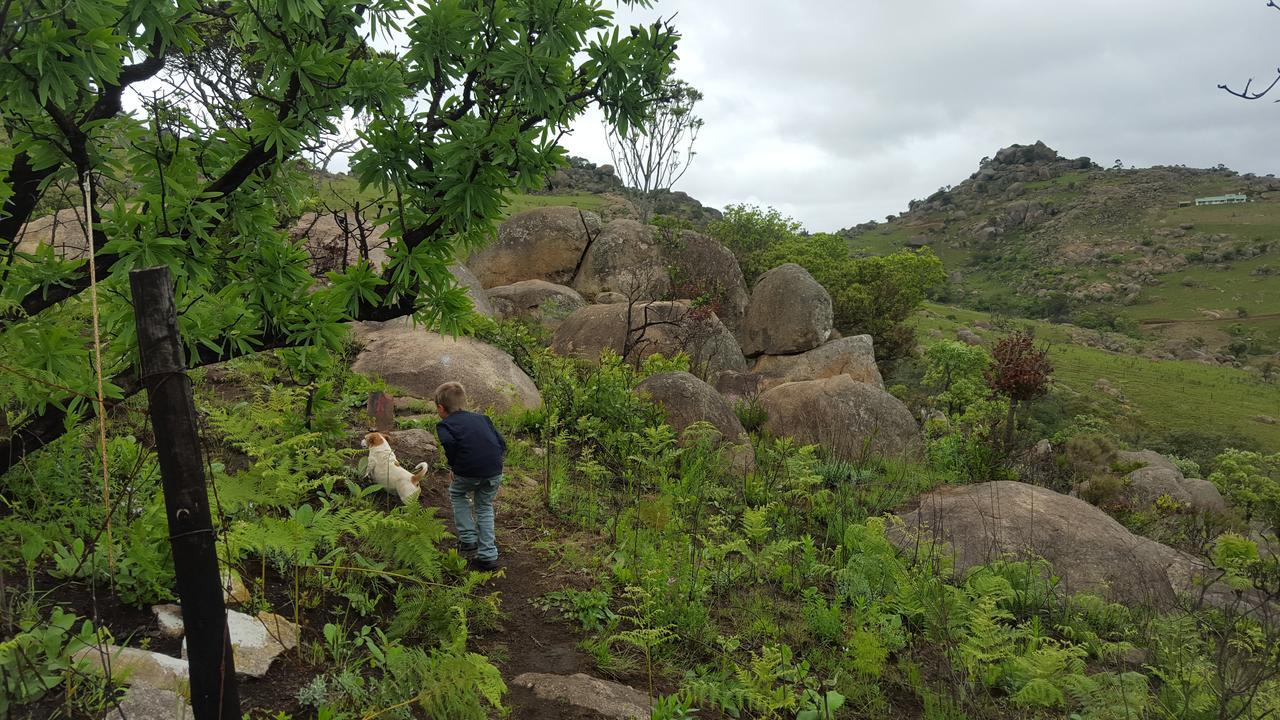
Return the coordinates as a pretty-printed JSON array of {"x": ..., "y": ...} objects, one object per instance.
[
  {"x": 483, "y": 565},
  {"x": 467, "y": 547}
]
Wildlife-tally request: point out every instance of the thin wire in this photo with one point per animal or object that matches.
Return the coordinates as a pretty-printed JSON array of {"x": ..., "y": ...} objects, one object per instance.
[{"x": 97, "y": 368}]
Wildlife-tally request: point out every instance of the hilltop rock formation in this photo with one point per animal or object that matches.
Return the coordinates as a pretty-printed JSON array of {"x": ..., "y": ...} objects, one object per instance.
[
  {"x": 540, "y": 244},
  {"x": 418, "y": 361},
  {"x": 1087, "y": 549},
  {"x": 789, "y": 313},
  {"x": 848, "y": 418},
  {"x": 536, "y": 301},
  {"x": 636, "y": 331},
  {"x": 624, "y": 257}
]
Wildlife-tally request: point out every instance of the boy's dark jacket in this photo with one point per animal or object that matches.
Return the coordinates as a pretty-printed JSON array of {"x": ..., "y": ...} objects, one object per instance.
[{"x": 473, "y": 445}]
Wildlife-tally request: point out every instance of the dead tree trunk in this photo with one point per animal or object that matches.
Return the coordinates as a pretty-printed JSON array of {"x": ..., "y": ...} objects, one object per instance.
[{"x": 214, "y": 691}]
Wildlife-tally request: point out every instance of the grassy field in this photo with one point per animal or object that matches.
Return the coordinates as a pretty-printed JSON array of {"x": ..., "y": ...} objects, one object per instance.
[
  {"x": 1170, "y": 395},
  {"x": 340, "y": 190}
]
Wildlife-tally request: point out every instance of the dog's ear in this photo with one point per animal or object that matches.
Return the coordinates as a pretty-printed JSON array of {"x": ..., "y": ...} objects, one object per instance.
[{"x": 374, "y": 439}]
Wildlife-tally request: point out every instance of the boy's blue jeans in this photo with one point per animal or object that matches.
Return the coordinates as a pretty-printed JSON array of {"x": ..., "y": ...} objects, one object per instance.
[{"x": 473, "y": 513}]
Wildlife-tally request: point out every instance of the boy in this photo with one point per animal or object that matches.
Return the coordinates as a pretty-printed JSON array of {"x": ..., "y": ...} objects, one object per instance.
[{"x": 475, "y": 450}]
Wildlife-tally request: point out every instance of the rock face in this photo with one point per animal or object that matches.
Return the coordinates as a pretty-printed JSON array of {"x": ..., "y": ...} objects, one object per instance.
[
  {"x": 1087, "y": 549},
  {"x": 536, "y": 301},
  {"x": 846, "y": 417},
  {"x": 625, "y": 258},
  {"x": 853, "y": 356},
  {"x": 1148, "y": 458},
  {"x": 419, "y": 361},
  {"x": 686, "y": 400},
  {"x": 256, "y": 641},
  {"x": 475, "y": 291},
  {"x": 789, "y": 313},
  {"x": 672, "y": 327},
  {"x": 326, "y": 240},
  {"x": 610, "y": 699},
  {"x": 543, "y": 244},
  {"x": 146, "y": 703}
]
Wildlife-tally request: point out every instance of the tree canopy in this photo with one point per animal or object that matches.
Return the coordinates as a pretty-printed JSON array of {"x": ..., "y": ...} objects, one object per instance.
[{"x": 186, "y": 127}]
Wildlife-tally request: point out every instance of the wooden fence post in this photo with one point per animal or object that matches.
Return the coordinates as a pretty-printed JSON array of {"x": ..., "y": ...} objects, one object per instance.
[
  {"x": 383, "y": 409},
  {"x": 215, "y": 694}
]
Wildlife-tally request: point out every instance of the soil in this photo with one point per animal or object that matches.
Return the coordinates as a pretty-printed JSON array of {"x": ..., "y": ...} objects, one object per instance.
[{"x": 531, "y": 639}]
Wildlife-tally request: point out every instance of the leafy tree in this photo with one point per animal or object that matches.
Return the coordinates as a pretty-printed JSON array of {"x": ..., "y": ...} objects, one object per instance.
[
  {"x": 748, "y": 231},
  {"x": 654, "y": 154},
  {"x": 1251, "y": 480},
  {"x": 210, "y": 166},
  {"x": 955, "y": 372},
  {"x": 1021, "y": 373}
]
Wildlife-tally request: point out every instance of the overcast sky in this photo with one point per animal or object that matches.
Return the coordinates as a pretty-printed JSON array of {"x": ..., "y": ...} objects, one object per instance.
[{"x": 842, "y": 111}]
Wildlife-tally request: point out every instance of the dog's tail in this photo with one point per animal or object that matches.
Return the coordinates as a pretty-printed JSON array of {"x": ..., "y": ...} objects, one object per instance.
[{"x": 419, "y": 472}]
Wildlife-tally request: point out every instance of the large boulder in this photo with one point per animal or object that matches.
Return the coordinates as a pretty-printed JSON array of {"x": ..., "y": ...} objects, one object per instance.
[
  {"x": 327, "y": 237},
  {"x": 257, "y": 640},
  {"x": 543, "y": 244},
  {"x": 1146, "y": 458},
  {"x": 418, "y": 361},
  {"x": 685, "y": 400},
  {"x": 479, "y": 298},
  {"x": 625, "y": 258},
  {"x": 1146, "y": 485},
  {"x": 638, "y": 330},
  {"x": 702, "y": 267},
  {"x": 1087, "y": 549},
  {"x": 852, "y": 356},
  {"x": 599, "y": 698},
  {"x": 789, "y": 313},
  {"x": 64, "y": 231},
  {"x": 536, "y": 301},
  {"x": 844, "y": 416}
]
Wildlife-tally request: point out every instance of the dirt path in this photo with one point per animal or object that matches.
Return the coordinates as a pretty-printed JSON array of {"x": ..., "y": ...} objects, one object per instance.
[{"x": 530, "y": 639}]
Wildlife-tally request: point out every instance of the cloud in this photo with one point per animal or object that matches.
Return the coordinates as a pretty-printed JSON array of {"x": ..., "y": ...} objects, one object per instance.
[{"x": 840, "y": 111}]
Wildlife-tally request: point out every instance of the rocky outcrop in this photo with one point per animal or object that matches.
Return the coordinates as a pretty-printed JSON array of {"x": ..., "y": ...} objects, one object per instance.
[
  {"x": 789, "y": 313},
  {"x": 418, "y": 361},
  {"x": 853, "y": 356},
  {"x": 1145, "y": 486},
  {"x": 539, "y": 244},
  {"x": 536, "y": 301},
  {"x": 636, "y": 331},
  {"x": 847, "y": 418},
  {"x": 702, "y": 267},
  {"x": 1087, "y": 549},
  {"x": 685, "y": 400},
  {"x": 601, "y": 697}
]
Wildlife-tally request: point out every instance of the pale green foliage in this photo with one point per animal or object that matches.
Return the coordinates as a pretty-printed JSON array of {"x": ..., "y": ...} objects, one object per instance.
[
  {"x": 954, "y": 372},
  {"x": 1251, "y": 480},
  {"x": 38, "y": 657}
]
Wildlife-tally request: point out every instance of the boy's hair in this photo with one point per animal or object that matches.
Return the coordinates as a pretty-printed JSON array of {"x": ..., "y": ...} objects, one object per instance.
[{"x": 451, "y": 396}]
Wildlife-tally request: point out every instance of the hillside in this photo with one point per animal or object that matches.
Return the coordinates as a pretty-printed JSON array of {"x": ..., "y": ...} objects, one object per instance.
[{"x": 1033, "y": 234}]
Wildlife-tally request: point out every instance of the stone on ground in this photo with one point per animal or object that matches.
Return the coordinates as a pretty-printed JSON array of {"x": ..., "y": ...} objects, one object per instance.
[
  {"x": 853, "y": 356},
  {"x": 686, "y": 400},
  {"x": 413, "y": 446},
  {"x": 658, "y": 327},
  {"x": 789, "y": 313},
  {"x": 1148, "y": 484},
  {"x": 63, "y": 231},
  {"x": 135, "y": 666},
  {"x": 147, "y": 703},
  {"x": 539, "y": 244},
  {"x": 169, "y": 618},
  {"x": 610, "y": 699},
  {"x": 1087, "y": 549},
  {"x": 234, "y": 591},
  {"x": 257, "y": 641},
  {"x": 846, "y": 417},
  {"x": 418, "y": 361},
  {"x": 536, "y": 301}
]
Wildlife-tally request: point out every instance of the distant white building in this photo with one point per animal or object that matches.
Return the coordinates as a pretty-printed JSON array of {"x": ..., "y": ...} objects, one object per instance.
[{"x": 1222, "y": 200}]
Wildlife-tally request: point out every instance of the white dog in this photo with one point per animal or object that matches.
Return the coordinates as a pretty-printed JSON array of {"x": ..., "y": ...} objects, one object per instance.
[{"x": 386, "y": 471}]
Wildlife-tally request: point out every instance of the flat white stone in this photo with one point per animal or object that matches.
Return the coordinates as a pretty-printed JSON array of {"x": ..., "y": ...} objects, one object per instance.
[
  {"x": 257, "y": 641},
  {"x": 147, "y": 703},
  {"x": 169, "y": 618},
  {"x": 610, "y": 699},
  {"x": 136, "y": 667}
]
